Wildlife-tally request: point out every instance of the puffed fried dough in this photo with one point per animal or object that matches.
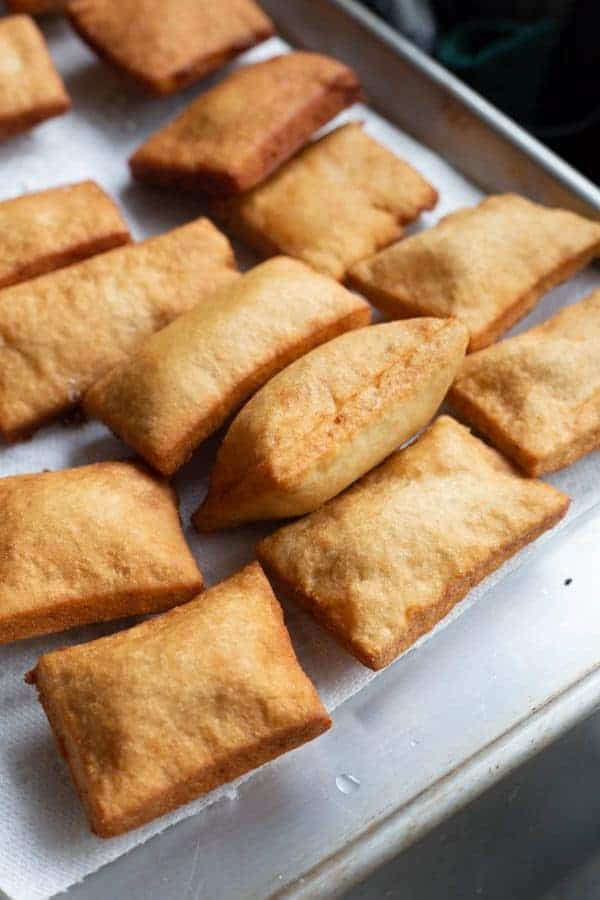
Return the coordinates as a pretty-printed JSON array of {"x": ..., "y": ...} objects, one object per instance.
[
  {"x": 50, "y": 229},
  {"x": 380, "y": 565},
  {"x": 188, "y": 379},
  {"x": 487, "y": 265},
  {"x": 31, "y": 89},
  {"x": 329, "y": 418},
  {"x": 168, "y": 44},
  {"x": 61, "y": 332},
  {"x": 537, "y": 396},
  {"x": 90, "y": 544},
  {"x": 341, "y": 199},
  {"x": 231, "y": 137},
  {"x": 153, "y": 717}
]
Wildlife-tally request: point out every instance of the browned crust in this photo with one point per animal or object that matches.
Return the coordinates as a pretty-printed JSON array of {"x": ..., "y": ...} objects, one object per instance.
[
  {"x": 205, "y": 780},
  {"x": 240, "y": 229},
  {"x": 103, "y": 608},
  {"x": 262, "y": 477},
  {"x": 399, "y": 308},
  {"x": 420, "y": 621},
  {"x": 52, "y": 261},
  {"x": 267, "y": 248},
  {"x": 335, "y": 97},
  {"x": 16, "y": 435},
  {"x": 180, "y": 453},
  {"x": 184, "y": 76},
  {"x": 531, "y": 463},
  {"x": 15, "y": 124}
]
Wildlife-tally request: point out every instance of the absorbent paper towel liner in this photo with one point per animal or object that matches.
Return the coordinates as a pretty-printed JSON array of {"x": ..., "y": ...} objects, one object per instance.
[{"x": 45, "y": 843}]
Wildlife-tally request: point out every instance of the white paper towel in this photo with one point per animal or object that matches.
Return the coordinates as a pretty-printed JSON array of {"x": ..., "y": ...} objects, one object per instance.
[{"x": 45, "y": 845}]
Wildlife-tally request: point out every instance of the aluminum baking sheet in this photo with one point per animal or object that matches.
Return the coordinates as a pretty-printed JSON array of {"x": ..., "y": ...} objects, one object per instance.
[{"x": 493, "y": 683}]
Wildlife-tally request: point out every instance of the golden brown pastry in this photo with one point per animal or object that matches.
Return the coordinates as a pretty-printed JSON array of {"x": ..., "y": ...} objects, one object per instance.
[
  {"x": 381, "y": 564},
  {"x": 537, "y": 396},
  {"x": 31, "y": 90},
  {"x": 231, "y": 137},
  {"x": 329, "y": 418},
  {"x": 190, "y": 377},
  {"x": 487, "y": 265},
  {"x": 168, "y": 44},
  {"x": 49, "y": 229},
  {"x": 89, "y": 544},
  {"x": 61, "y": 332},
  {"x": 152, "y": 717},
  {"x": 341, "y": 199}
]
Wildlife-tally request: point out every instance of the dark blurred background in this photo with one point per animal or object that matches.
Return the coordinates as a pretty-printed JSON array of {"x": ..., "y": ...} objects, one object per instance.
[{"x": 537, "y": 60}]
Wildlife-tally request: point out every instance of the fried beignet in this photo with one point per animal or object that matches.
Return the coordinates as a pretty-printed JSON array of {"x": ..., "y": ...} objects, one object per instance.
[
  {"x": 488, "y": 265},
  {"x": 31, "y": 90},
  {"x": 329, "y": 418},
  {"x": 190, "y": 377},
  {"x": 153, "y": 717},
  {"x": 89, "y": 544},
  {"x": 50, "y": 229},
  {"x": 537, "y": 396},
  {"x": 60, "y": 332},
  {"x": 168, "y": 44},
  {"x": 381, "y": 564},
  {"x": 234, "y": 135},
  {"x": 339, "y": 200}
]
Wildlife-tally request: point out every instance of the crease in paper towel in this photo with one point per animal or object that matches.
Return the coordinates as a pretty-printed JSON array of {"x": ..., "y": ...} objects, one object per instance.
[{"x": 45, "y": 844}]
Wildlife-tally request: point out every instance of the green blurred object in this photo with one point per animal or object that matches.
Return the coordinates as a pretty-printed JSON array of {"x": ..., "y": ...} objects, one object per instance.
[{"x": 503, "y": 59}]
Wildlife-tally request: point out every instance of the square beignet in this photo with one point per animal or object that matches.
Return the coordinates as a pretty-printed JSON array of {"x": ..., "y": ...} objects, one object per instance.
[
  {"x": 488, "y": 265},
  {"x": 89, "y": 544},
  {"x": 153, "y": 717},
  {"x": 234, "y": 135},
  {"x": 50, "y": 229},
  {"x": 330, "y": 417},
  {"x": 381, "y": 564},
  {"x": 168, "y": 44},
  {"x": 31, "y": 90},
  {"x": 60, "y": 332},
  {"x": 537, "y": 396},
  {"x": 339, "y": 200},
  {"x": 189, "y": 378}
]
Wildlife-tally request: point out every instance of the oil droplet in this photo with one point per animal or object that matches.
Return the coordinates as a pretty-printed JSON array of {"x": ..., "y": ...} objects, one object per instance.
[{"x": 347, "y": 784}]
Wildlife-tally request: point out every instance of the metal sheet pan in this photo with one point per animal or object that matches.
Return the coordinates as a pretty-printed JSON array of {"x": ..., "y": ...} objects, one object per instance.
[
  {"x": 425, "y": 100},
  {"x": 494, "y": 686}
]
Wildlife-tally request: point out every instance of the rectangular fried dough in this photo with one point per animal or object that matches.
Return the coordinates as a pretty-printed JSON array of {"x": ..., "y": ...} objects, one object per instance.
[
  {"x": 31, "y": 90},
  {"x": 537, "y": 396},
  {"x": 152, "y": 717},
  {"x": 231, "y": 137},
  {"x": 49, "y": 229},
  {"x": 89, "y": 544},
  {"x": 60, "y": 332},
  {"x": 168, "y": 44},
  {"x": 329, "y": 417},
  {"x": 487, "y": 265},
  {"x": 339, "y": 200},
  {"x": 382, "y": 563},
  {"x": 187, "y": 379}
]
